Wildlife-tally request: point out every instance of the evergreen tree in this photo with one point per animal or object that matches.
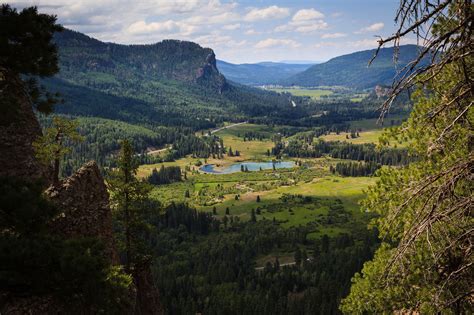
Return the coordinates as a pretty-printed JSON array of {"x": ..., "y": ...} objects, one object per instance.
[
  {"x": 298, "y": 256},
  {"x": 51, "y": 148},
  {"x": 129, "y": 196},
  {"x": 27, "y": 50},
  {"x": 425, "y": 209}
]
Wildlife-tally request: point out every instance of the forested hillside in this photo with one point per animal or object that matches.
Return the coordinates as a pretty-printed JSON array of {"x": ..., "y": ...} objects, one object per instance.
[
  {"x": 164, "y": 83},
  {"x": 352, "y": 70}
]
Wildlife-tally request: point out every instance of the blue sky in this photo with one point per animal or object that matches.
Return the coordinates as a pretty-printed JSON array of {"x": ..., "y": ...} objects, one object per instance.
[{"x": 239, "y": 31}]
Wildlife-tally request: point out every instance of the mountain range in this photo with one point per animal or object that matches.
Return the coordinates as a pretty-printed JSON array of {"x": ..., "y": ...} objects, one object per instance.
[
  {"x": 179, "y": 83},
  {"x": 352, "y": 70},
  {"x": 261, "y": 73}
]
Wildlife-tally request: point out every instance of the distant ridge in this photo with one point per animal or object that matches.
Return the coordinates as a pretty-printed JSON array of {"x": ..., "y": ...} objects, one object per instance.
[
  {"x": 299, "y": 62},
  {"x": 351, "y": 70},
  {"x": 261, "y": 73}
]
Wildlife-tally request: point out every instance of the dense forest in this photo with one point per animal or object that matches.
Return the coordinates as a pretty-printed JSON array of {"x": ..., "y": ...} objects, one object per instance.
[{"x": 216, "y": 274}]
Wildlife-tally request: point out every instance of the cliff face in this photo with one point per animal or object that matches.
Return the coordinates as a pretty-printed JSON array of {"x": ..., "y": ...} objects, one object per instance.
[
  {"x": 18, "y": 129},
  {"x": 84, "y": 201},
  {"x": 208, "y": 74},
  {"x": 82, "y": 198}
]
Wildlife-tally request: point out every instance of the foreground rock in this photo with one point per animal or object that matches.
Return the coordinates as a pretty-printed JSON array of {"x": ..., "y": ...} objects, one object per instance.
[
  {"x": 19, "y": 128},
  {"x": 84, "y": 201}
]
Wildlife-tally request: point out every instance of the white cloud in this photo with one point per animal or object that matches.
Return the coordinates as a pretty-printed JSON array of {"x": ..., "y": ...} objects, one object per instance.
[
  {"x": 315, "y": 26},
  {"x": 252, "y": 32},
  {"x": 304, "y": 21},
  {"x": 307, "y": 15},
  {"x": 231, "y": 27},
  {"x": 272, "y": 12},
  {"x": 166, "y": 27},
  {"x": 283, "y": 28},
  {"x": 333, "y": 35},
  {"x": 371, "y": 28},
  {"x": 216, "y": 40},
  {"x": 272, "y": 42},
  {"x": 364, "y": 44},
  {"x": 326, "y": 44}
]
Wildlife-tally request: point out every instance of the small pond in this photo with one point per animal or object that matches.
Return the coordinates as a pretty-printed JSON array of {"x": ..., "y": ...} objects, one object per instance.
[{"x": 251, "y": 166}]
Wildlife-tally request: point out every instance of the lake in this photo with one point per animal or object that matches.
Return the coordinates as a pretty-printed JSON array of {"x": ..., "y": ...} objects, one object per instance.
[{"x": 251, "y": 166}]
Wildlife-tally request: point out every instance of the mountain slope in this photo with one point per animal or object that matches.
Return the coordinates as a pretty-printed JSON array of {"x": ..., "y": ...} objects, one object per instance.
[
  {"x": 167, "y": 83},
  {"x": 351, "y": 70},
  {"x": 259, "y": 73}
]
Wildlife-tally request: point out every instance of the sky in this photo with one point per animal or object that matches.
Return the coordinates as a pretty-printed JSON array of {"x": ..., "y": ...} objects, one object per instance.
[{"x": 239, "y": 31}]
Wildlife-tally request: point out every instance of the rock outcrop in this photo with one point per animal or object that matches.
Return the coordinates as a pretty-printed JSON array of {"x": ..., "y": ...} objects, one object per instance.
[
  {"x": 82, "y": 198},
  {"x": 209, "y": 75},
  {"x": 18, "y": 130},
  {"x": 84, "y": 203}
]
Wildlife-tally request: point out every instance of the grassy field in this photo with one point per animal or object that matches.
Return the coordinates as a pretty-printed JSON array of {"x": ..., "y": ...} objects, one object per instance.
[
  {"x": 249, "y": 150},
  {"x": 369, "y": 136},
  {"x": 370, "y": 124},
  {"x": 370, "y": 131},
  {"x": 302, "y": 196},
  {"x": 146, "y": 169},
  {"x": 313, "y": 93},
  {"x": 348, "y": 189}
]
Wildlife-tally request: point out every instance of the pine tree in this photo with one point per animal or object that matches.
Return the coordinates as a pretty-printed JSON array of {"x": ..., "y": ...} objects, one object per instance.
[
  {"x": 27, "y": 50},
  {"x": 424, "y": 210},
  {"x": 128, "y": 196},
  {"x": 51, "y": 148},
  {"x": 297, "y": 257}
]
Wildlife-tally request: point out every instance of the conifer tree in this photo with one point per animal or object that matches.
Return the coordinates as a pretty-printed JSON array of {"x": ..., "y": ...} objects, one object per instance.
[
  {"x": 129, "y": 196},
  {"x": 253, "y": 217},
  {"x": 51, "y": 148},
  {"x": 425, "y": 209},
  {"x": 27, "y": 51}
]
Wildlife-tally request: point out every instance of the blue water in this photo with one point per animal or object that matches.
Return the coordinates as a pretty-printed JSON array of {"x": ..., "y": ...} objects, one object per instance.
[{"x": 251, "y": 166}]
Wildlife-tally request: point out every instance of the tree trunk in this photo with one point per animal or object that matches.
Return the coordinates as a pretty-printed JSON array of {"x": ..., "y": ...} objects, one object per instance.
[
  {"x": 128, "y": 241},
  {"x": 56, "y": 172}
]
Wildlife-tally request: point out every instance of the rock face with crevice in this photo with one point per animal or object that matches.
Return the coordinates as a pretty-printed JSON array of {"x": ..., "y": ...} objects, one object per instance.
[
  {"x": 84, "y": 201},
  {"x": 19, "y": 128}
]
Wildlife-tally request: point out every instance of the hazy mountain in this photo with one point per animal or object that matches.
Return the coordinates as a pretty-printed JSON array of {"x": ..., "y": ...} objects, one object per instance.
[
  {"x": 299, "y": 62},
  {"x": 351, "y": 70},
  {"x": 259, "y": 73}
]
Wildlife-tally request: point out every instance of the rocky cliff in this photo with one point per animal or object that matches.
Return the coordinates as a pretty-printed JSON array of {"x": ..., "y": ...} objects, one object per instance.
[
  {"x": 18, "y": 129},
  {"x": 82, "y": 198},
  {"x": 84, "y": 201}
]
